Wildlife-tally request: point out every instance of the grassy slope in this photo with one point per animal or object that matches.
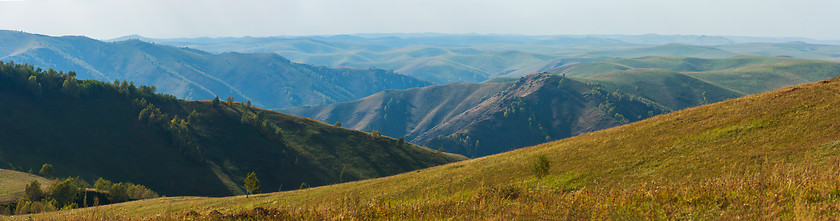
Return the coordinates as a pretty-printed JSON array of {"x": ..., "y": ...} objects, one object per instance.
[
  {"x": 12, "y": 183},
  {"x": 768, "y": 155}
]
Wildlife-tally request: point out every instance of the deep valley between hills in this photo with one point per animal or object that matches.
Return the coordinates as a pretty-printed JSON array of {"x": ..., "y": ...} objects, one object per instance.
[{"x": 480, "y": 127}]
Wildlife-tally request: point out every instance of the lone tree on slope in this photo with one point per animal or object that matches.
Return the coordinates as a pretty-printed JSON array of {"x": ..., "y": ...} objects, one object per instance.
[{"x": 252, "y": 184}]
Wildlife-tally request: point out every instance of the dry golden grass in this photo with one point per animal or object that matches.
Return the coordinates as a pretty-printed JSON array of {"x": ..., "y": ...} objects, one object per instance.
[{"x": 774, "y": 155}]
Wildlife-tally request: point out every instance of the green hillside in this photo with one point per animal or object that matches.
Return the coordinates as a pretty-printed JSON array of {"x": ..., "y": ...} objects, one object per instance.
[
  {"x": 767, "y": 156},
  {"x": 124, "y": 132}
]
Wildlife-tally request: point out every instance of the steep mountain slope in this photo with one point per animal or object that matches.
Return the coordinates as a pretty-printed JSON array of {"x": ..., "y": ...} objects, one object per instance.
[
  {"x": 766, "y": 156},
  {"x": 467, "y": 118},
  {"x": 536, "y": 109},
  {"x": 267, "y": 79},
  {"x": 125, "y": 133},
  {"x": 408, "y": 113}
]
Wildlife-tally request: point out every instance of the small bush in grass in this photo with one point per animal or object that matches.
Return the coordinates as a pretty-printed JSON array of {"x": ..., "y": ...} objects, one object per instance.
[{"x": 541, "y": 167}]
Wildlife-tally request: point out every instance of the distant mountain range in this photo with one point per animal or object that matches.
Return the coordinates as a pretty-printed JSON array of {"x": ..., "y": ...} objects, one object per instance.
[
  {"x": 267, "y": 79},
  {"x": 126, "y": 133},
  {"x": 469, "y": 118},
  {"x": 442, "y": 58}
]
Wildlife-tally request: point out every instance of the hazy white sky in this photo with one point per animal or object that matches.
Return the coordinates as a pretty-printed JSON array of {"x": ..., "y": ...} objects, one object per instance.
[{"x": 106, "y": 19}]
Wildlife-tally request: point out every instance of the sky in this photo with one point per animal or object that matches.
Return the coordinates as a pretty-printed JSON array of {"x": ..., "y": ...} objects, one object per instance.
[{"x": 106, "y": 19}]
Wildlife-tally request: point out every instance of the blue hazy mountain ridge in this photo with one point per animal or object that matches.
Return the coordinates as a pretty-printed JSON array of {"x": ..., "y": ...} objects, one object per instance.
[
  {"x": 266, "y": 79},
  {"x": 449, "y": 58}
]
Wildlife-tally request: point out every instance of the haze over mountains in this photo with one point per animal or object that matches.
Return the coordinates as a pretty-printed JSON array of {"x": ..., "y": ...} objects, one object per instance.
[
  {"x": 268, "y": 80},
  {"x": 442, "y": 58}
]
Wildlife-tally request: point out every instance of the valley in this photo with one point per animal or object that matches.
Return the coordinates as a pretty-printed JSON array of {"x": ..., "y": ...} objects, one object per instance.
[
  {"x": 421, "y": 126},
  {"x": 546, "y": 107},
  {"x": 776, "y": 149}
]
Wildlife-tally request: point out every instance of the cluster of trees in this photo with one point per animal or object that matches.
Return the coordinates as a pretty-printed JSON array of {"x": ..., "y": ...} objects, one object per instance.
[
  {"x": 121, "y": 192},
  {"x": 61, "y": 195},
  {"x": 74, "y": 192},
  {"x": 39, "y": 83}
]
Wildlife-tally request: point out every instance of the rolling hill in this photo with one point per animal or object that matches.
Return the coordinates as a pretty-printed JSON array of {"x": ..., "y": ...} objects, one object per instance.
[
  {"x": 678, "y": 64},
  {"x": 267, "y": 79},
  {"x": 788, "y": 48},
  {"x": 673, "y": 50},
  {"x": 124, "y": 132},
  {"x": 742, "y": 74},
  {"x": 767, "y": 156}
]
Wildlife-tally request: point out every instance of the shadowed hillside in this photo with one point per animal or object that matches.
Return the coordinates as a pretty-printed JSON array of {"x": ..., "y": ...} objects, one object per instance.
[{"x": 128, "y": 133}]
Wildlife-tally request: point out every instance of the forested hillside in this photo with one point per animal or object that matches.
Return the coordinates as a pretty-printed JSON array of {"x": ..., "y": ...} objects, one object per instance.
[{"x": 126, "y": 132}]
